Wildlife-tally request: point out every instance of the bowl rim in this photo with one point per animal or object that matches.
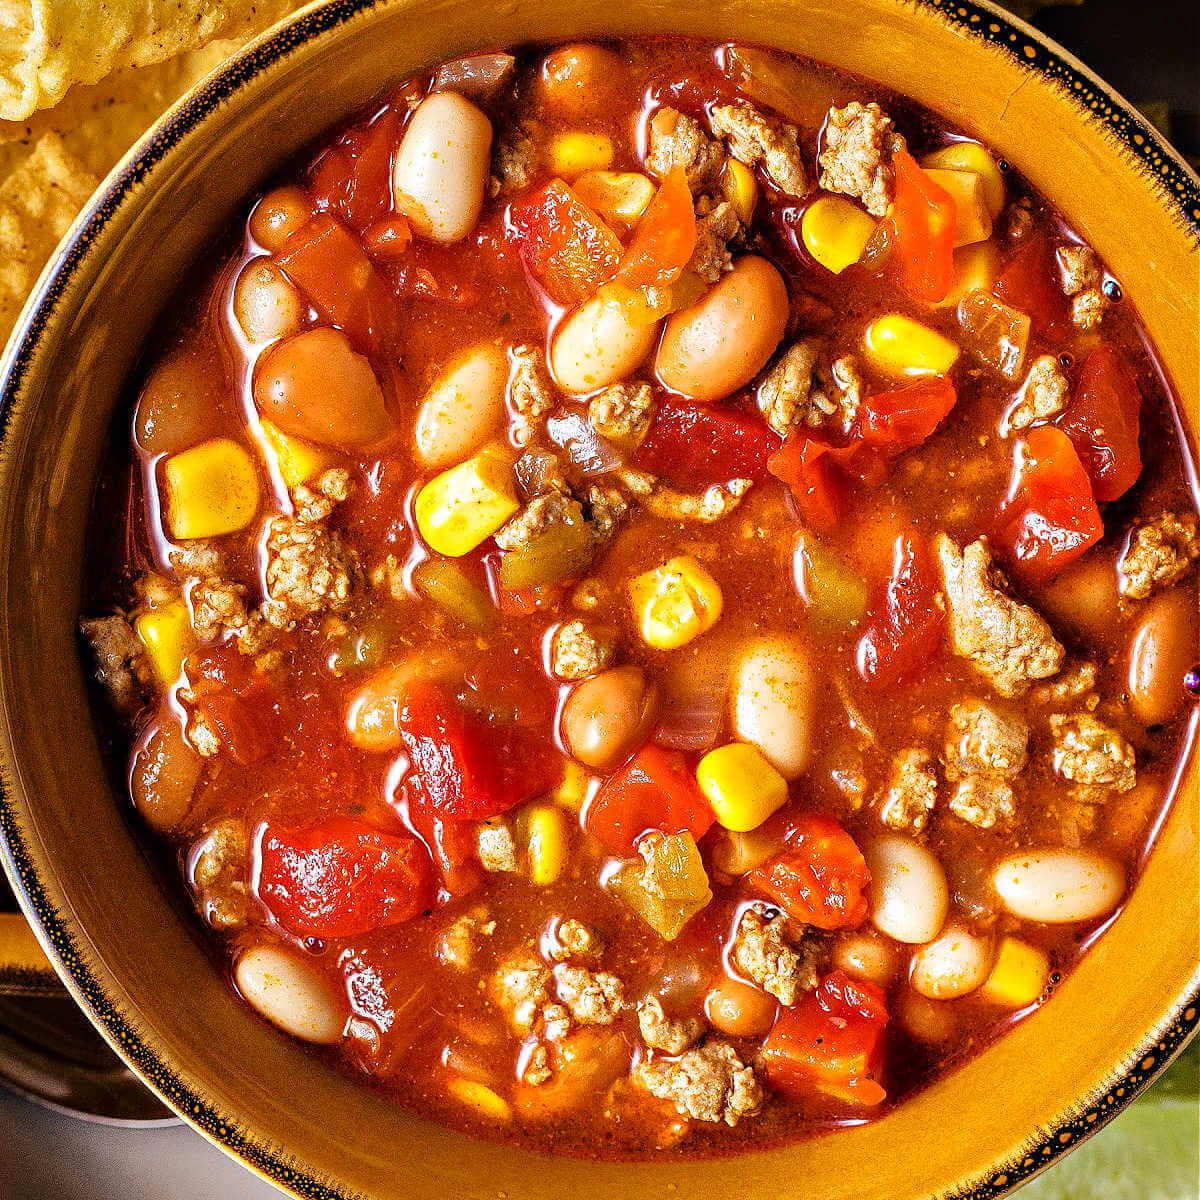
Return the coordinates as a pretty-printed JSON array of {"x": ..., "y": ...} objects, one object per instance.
[{"x": 1178, "y": 189}]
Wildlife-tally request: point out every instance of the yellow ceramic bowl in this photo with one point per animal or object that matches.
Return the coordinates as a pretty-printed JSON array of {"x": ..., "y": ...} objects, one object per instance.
[{"x": 132, "y": 960}]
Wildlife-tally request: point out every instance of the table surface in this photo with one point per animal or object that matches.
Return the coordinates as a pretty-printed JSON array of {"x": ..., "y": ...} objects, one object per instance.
[{"x": 1151, "y": 1152}]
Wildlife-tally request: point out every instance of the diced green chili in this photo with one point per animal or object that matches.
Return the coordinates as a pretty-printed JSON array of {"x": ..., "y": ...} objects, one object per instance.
[{"x": 447, "y": 585}]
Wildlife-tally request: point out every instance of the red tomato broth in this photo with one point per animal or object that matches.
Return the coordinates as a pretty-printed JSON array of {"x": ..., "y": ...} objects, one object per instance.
[{"x": 936, "y": 463}]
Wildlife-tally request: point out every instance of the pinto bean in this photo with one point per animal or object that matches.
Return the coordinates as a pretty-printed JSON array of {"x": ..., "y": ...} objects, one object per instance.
[
  {"x": 164, "y": 774},
  {"x": 277, "y": 216},
  {"x": 738, "y": 1009},
  {"x": 867, "y": 955},
  {"x": 463, "y": 407},
  {"x": 1059, "y": 887},
  {"x": 441, "y": 167},
  {"x": 1162, "y": 648},
  {"x": 773, "y": 702},
  {"x": 722, "y": 341},
  {"x": 315, "y": 385},
  {"x": 909, "y": 894},
  {"x": 290, "y": 993},
  {"x": 606, "y": 716}
]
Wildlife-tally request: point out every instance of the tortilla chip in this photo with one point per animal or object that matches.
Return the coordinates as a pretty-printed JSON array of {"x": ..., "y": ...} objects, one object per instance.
[
  {"x": 48, "y": 46},
  {"x": 39, "y": 198},
  {"x": 52, "y": 162}
]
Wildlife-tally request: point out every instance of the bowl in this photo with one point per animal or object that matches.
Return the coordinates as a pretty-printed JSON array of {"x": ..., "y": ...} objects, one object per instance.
[{"x": 132, "y": 959}]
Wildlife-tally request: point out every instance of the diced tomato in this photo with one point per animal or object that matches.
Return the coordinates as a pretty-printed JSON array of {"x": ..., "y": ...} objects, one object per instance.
[
  {"x": 341, "y": 878},
  {"x": 238, "y": 700},
  {"x": 809, "y": 468},
  {"x": 1050, "y": 516},
  {"x": 705, "y": 443},
  {"x": 564, "y": 245},
  {"x": 1027, "y": 283},
  {"x": 1102, "y": 422},
  {"x": 831, "y": 1042},
  {"x": 469, "y": 768},
  {"x": 353, "y": 178},
  {"x": 450, "y": 843},
  {"x": 388, "y": 239},
  {"x": 665, "y": 237},
  {"x": 924, "y": 216},
  {"x": 904, "y": 625},
  {"x": 904, "y": 418},
  {"x": 654, "y": 790},
  {"x": 821, "y": 878},
  {"x": 326, "y": 261}
]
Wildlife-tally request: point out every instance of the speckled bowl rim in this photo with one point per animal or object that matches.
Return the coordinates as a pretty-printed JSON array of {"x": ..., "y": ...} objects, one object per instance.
[{"x": 1179, "y": 191}]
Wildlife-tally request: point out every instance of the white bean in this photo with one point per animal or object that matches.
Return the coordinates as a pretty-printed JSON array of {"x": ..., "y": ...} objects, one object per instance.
[
  {"x": 1162, "y": 649},
  {"x": 909, "y": 894},
  {"x": 463, "y": 407},
  {"x": 441, "y": 167},
  {"x": 772, "y": 702},
  {"x": 866, "y": 955},
  {"x": 1058, "y": 887},
  {"x": 266, "y": 305},
  {"x": 280, "y": 986},
  {"x": 954, "y": 964},
  {"x": 598, "y": 344}
]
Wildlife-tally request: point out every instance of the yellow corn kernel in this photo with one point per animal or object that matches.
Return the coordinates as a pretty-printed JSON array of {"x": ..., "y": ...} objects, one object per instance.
[
  {"x": 1018, "y": 976},
  {"x": 463, "y": 506},
  {"x": 571, "y": 154},
  {"x": 975, "y": 270},
  {"x": 545, "y": 827},
  {"x": 835, "y": 232},
  {"x": 971, "y": 156},
  {"x": 972, "y": 220},
  {"x": 739, "y": 853},
  {"x": 298, "y": 460},
  {"x": 573, "y": 789},
  {"x": 211, "y": 489},
  {"x": 167, "y": 635},
  {"x": 480, "y": 1098},
  {"x": 897, "y": 345},
  {"x": 741, "y": 787},
  {"x": 740, "y": 188},
  {"x": 619, "y": 197},
  {"x": 675, "y": 603}
]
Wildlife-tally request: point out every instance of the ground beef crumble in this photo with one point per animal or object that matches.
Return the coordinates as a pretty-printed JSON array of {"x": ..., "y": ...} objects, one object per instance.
[
  {"x": 856, "y": 159},
  {"x": 1160, "y": 552},
  {"x": 710, "y": 1083},
  {"x": 1008, "y": 643}
]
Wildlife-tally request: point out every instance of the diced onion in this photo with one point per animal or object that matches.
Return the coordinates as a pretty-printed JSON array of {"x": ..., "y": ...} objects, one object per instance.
[{"x": 591, "y": 453}]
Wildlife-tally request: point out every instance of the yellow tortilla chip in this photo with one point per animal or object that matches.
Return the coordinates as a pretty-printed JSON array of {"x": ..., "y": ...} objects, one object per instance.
[
  {"x": 52, "y": 162},
  {"x": 47, "y": 46},
  {"x": 39, "y": 198}
]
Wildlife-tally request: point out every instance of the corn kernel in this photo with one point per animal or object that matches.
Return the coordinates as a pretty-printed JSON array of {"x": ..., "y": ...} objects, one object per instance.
[
  {"x": 741, "y": 787},
  {"x": 298, "y": 461},
  {"x": 545, "y": 829},
  {"x": 167, "y": 635},
  {"x": 211, "y": 489},
  {"x": 573, "y": 789},
  {"x": 897, "y": 345},
  {"x": 573, "y": 153},
  {"x": 972, "y": 220},
  {"x": 971, "y": 156},
  {"x": 975, "y": 269},
  {"x": 480, "y": 1097},
  {"x": 675, "y": 603},
  {"x": 619, "y": 197},
  {"x": 1018, "y": 976},
  {"x": 465, "y": 505},
  {"x": 740, "y": 188},
  {"x": 835, "y": 232},
  {"x": 739, "y": 853}
]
